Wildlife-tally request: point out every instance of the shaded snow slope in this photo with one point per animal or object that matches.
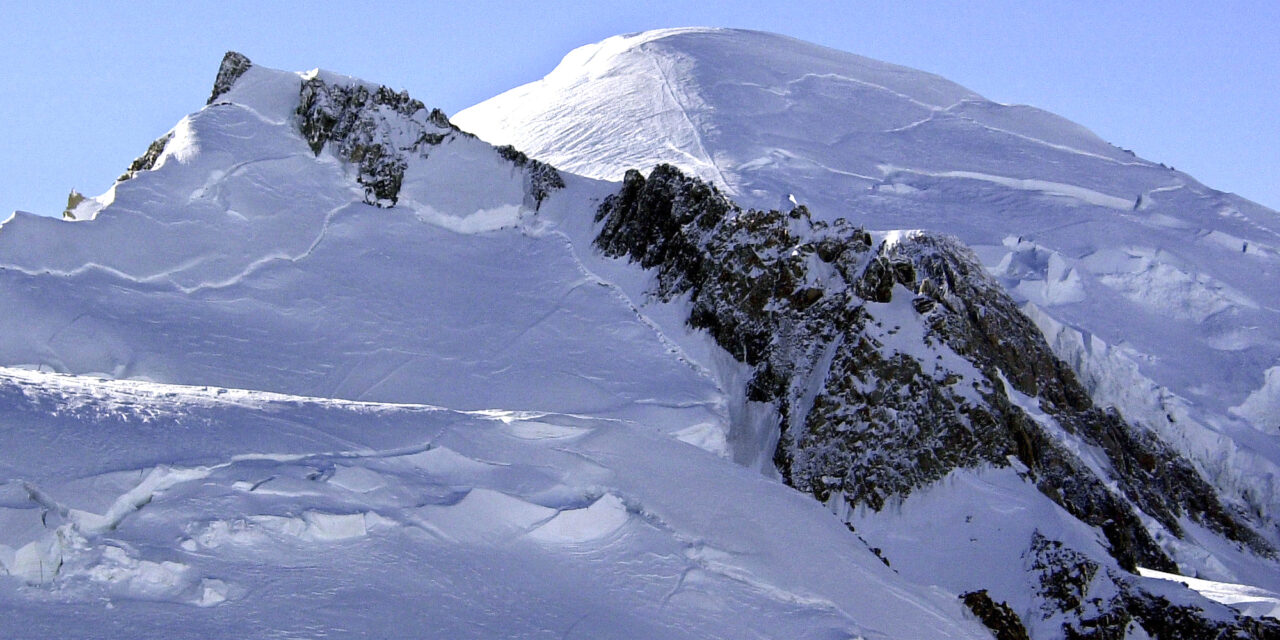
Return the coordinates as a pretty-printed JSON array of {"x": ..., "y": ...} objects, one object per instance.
[
  {"x": 212, "y": 512},
  {"x": 1160, "y": 292}
]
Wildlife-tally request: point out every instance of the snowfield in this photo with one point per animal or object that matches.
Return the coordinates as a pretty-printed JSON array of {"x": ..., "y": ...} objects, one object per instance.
[{"x": 138, "y": 509}]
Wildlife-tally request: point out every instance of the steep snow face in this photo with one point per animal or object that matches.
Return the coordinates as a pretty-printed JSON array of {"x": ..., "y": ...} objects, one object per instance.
[{"x": 1159, "y": 291}]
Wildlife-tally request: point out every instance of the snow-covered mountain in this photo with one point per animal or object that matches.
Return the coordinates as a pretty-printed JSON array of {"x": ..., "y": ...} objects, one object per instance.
[
  {"x": 255, "y": 247},
  {"x": 1160, "y": 292},
  {"x": 323, "y": 363}
]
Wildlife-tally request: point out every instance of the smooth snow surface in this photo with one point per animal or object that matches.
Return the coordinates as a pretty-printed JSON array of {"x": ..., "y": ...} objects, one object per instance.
[{"x": 1161, "y": 292}]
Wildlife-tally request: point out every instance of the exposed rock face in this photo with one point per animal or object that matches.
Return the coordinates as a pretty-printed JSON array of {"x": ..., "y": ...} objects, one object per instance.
[
  {"x": 233, "y": 66},
  {"x": 1061, "y": 576},
  {"x": 1086, "y": 601},
  {"x": 894, "y": 363},
  {"x": 353, "y": 117},
  {"x": 147, "y": 160},
  {"x": 996, "y": 616},
  {"x": 970, "y": 312},
  {"x": 540, "y": 179},
  {"x": 378, "y": 129},
  {"x": 73, "y": 200}
]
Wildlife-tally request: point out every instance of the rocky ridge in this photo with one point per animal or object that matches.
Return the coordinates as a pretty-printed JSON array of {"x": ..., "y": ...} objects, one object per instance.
[
  {"x": 820, "y": 312},
  {"x": 374, "y": 128},
  {"x": 377, "y": 130}
]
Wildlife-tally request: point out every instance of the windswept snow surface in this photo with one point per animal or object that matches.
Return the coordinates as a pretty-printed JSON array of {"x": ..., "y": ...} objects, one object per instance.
[
  {"x": 1161, "y": 292},
  {"x": 139, "y": 510}
]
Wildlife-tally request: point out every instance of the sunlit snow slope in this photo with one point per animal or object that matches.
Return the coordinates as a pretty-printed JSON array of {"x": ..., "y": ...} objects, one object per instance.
[{"x": 1159, "y": 291}]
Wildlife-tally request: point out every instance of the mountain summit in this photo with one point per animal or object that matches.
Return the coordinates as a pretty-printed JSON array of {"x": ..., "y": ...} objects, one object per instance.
[{"x": 743, "y": 109}]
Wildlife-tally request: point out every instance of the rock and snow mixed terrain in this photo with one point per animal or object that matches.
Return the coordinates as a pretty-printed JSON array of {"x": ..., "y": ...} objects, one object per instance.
[
  {"x": 1156, "y": 290},
  {"x": 325, "y": 363},
  {"x": 1159, "y": 291}
]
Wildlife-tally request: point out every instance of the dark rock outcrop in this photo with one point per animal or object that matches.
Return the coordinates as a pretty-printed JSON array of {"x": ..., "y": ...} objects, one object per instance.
[
  {"x": 996, "y": 616},
  {"x": 147, "y": 160},
  {"x": 1094, "y": 603},
  {"x": 73, "y": 200},
  {"x": 975, "y": 317},
  {"x": 353, "y": 119},
  {"x": 378, "y": 130},
  {"x": 233, "y": 66},
  {"x": 540, "y": 178}
]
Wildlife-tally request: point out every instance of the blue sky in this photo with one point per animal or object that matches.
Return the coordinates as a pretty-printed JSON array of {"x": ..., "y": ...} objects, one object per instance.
[{"x": 85, "y": 88}]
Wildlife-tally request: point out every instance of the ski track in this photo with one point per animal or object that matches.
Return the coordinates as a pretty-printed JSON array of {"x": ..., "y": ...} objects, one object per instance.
[{"x": 672, "y": 93}]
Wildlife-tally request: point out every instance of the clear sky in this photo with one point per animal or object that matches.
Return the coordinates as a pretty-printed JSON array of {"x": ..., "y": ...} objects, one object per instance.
[{"x": 84, "y": 89}]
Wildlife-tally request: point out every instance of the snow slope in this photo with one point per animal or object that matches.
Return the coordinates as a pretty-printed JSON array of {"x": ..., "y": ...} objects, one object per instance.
[
  {"x": 1159, "y": 291},
  {"x": 244, "y": 260},
  {"x": 213, "y": 512}
]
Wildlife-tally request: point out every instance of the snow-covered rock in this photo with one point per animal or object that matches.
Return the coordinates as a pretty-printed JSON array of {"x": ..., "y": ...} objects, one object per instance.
[{"x": 896, "y": 363}]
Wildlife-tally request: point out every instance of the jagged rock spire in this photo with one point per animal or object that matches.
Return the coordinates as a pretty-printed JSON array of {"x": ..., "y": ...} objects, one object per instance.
[{"x": 233, "y": 66}]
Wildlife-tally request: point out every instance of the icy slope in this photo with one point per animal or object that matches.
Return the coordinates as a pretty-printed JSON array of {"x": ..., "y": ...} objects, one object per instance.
[
  {"x": 1159, "y": 292},
  {"x": 211, "y": 512}
]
